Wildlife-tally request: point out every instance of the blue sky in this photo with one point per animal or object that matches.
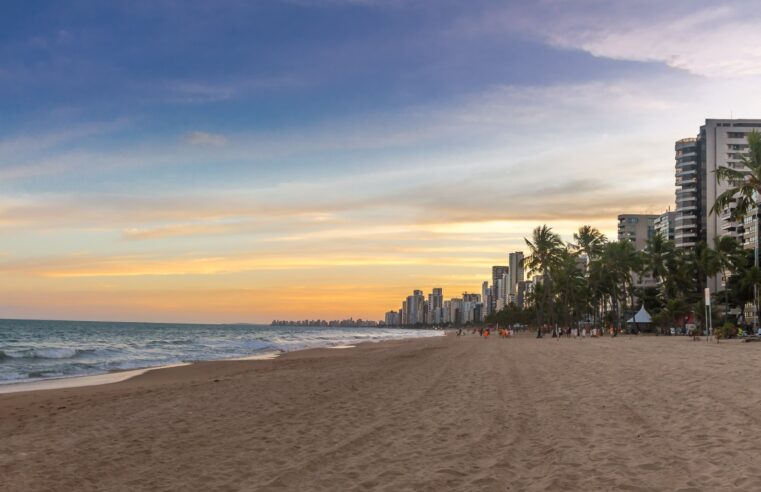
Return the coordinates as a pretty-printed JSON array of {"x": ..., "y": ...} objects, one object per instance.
[{"x": 150, "y": 151}]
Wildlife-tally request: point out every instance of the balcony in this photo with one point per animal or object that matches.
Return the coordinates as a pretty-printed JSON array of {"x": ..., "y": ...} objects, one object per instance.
[{"x": 688, "y": 163}]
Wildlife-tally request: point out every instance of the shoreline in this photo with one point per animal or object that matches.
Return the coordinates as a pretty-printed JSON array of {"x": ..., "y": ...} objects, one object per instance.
[
  {"x": 85, "y": 380},
  {"x": 108, "y": 377},
  {"x": 81, "y": 381}
]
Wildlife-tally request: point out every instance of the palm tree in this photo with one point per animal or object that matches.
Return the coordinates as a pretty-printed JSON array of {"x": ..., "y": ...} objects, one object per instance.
[
  {"x": 544, "y": 253},
  {"x": 705, "y": 263},
  {"x": 570, "y": 287},
  {"x": 745, "y": 184},
  {"x": 589, "y": 241},
  {"x": 660, "y": 257},
  {"x": 728, "y": 255},
  {"x": 619, "y": 260}
]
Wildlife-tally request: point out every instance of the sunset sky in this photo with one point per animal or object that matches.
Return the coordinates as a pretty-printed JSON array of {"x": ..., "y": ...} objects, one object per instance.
[{"x": 239, "y": 161}]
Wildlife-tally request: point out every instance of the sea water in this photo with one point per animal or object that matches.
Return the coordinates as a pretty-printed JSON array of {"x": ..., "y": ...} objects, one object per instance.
[{"x": 32, "y": 350}]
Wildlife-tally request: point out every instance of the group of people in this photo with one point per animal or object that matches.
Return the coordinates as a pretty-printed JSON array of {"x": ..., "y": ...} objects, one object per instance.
[
  {"x": 485, "y": 332},
  {"x": 559, "y": 332},
  {"x": 578, "y": 332}
]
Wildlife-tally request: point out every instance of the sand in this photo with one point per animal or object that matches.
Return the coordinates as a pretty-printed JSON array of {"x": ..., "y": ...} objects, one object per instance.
[{"x": 448, "y": 413}]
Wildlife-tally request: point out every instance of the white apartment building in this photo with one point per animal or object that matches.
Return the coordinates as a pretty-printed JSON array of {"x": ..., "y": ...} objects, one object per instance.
[
  {"x": 723, "y": 143},
  {"x": 690, "y": 193}
]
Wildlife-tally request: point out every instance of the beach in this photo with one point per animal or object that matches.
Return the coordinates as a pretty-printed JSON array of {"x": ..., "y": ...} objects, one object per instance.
[{"x": 442, "y": 413}]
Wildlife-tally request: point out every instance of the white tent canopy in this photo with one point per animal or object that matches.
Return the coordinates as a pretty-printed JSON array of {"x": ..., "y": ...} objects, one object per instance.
[{"x": 642, "y": 316}]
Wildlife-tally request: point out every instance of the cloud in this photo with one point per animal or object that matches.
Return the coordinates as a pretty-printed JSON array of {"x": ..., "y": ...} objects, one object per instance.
[
  {"x": 718, "y": 40},
  {"x": 203, "y": 138}
]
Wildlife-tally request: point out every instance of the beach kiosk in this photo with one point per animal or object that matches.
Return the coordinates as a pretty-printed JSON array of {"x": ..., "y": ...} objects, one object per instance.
[{"x": 641, "y": 321}]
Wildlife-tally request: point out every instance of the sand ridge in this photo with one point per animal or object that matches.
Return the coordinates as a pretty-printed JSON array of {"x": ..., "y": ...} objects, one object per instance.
[{"x": 444, "y": 413}]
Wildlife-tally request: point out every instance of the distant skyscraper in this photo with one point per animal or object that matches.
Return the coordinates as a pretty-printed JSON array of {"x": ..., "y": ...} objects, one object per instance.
[
  {"x": 436, "y": 306},
  {"x": 486, "y": 298},
  {"x": 498, "y": 285},
  {"x": 392, "y": 318},
  {"x": 516, "y": 272},
  {"x": 419, "y": 301},
  {"x": 436, "y": 298},
  {"x": 409, "y": 311}
]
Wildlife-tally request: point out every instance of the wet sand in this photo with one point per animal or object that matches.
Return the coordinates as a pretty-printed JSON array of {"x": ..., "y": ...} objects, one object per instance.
[{"x": 447, "y": 413}]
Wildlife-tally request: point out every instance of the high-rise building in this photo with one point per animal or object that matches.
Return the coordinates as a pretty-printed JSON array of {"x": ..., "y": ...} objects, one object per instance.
[
  {"x": 690, "y": 193},
  {"x": 392, "y": 318},
  {"x": 516, "y": 272},
  {"x": 414, "y": 309},
  {"x": 455, "y": 311},
  {"x": 664, "y": 225},
  {"x": 486, "y": 298},
  {"x": 637, "y": 228},
  {"x": 435, "y": 306},
  {"x": 420, "y": 307},
  {"x": 751, "y": 228},
  {"x": 723, "y": 143},
  {"x": 498, "y": 285},
  {"x": 409, "y": 311},
  {"x": 720, "y": 143}
]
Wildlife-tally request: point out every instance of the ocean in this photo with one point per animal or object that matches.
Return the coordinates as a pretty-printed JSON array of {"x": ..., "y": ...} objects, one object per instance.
[{"x": 33, "y": 350}]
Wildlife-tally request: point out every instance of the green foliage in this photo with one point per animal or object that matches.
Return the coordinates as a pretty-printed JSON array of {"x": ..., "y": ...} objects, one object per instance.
[
  {"x": 600, "y": 288},
  {"x": 727, "y": 330},
  {"x": 512, "y": 315},
  {"x": 744, "y": 186}
]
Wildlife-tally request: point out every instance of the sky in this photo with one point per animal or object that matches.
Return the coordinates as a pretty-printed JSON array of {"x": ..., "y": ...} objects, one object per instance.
[{"x": 243, "y": 161}]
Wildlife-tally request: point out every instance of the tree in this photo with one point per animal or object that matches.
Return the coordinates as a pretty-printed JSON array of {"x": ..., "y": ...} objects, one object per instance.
[
  {"x": 589, "y": 241},
  {"x": 544, "y": 252},
  {"x": 705, "y": 263},
  {"x": 619, "y": 260},
  {"x": 745, "y": 184},
  {"x": 659, "y": 257},
  {"x": 728, "y": 255},
  {"x": 570, "y": 287}
]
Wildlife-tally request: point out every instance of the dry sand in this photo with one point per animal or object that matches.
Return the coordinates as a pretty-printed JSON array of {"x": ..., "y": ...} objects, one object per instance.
[{"x": 446, "y": 413}]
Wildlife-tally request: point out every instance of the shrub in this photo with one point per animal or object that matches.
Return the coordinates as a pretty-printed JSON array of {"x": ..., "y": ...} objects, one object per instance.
[{"x": 727, "y": 330}]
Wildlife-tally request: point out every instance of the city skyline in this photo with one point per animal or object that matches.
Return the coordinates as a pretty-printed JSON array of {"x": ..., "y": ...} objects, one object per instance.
[{"x": 235, "y": 162}]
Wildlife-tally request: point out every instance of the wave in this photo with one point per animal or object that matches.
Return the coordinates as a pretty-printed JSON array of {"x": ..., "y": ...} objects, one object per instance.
[
  {"x": 164, "y": 343},
  {"x": 46, "y": 353}
]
